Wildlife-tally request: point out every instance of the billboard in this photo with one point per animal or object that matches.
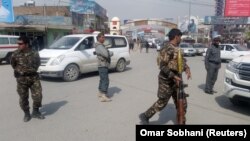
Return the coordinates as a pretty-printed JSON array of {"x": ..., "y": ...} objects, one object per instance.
[
  {"x": 237, "y": 8},
  {"x": 6, "y": 11},
  {"x": 218, "y": 20},
  {"x": 82, "y": 6}
]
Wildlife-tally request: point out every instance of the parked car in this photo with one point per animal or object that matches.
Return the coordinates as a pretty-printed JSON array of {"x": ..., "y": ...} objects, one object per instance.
[
  {"x": 152, "y": 42},
  {"x": 73, "y": 55},
  {"x": 237, "y": 80},
  {"x": 8, "y": 44},
  {"x": 200, "y": 48},
  {"x": 231, "y": 51},
  {"x": 187, "y": 49}
]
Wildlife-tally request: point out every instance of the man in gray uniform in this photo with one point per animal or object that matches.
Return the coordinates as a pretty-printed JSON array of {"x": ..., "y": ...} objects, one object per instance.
[{"x": 212, "y": 64}]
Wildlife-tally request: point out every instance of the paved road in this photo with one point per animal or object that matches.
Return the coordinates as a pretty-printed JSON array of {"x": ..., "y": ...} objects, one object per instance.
[{"x": 73, "y": 112}]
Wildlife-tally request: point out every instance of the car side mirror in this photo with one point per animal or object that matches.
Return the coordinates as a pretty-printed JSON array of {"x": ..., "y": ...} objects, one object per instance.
[{"x": 233, "y": 50}]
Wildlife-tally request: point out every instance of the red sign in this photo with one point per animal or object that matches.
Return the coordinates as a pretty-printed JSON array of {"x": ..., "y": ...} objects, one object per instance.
[{"x": 237, "y": 8}]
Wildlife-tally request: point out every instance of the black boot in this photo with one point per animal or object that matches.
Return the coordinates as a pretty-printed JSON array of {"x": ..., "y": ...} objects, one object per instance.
[
  {"x": 144, "y": 119},
  {"x": 27, "y": 116},
  {"x": 36, "y": 114}
]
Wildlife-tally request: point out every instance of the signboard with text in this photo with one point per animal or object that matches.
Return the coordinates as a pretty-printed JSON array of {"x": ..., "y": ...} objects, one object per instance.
[
  {"x": 218, "y": 20},
  {"x": 82, "y": 6},
  {"x": 237, "y": 8},
  {"x": 6, "y": 11}
]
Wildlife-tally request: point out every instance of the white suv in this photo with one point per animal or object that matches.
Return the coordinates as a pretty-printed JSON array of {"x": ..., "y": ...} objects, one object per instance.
[
  {"x": 237, "y": 80},
  {"x": 231, "y": 51},
  {"x": 73, "y": 55}
]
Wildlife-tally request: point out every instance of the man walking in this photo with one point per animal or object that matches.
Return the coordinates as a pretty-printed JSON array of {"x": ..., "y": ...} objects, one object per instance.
[
  {"x": 168, "y": 78},
  {"x": 212, "y": 64},
  {"x": 25, "y": 63},
  {"x": 104, "y": 59}
]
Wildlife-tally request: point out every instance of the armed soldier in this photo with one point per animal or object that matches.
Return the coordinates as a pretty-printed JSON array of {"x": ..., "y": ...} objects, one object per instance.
[
  {"x": 104, "y": 59},
  {"x": 168, "y": 78},
  {"x": 25, "y": 63}
]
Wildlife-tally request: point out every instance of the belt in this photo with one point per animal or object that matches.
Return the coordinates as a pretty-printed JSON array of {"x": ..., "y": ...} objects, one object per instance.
[{"x": 214, "y": 62}]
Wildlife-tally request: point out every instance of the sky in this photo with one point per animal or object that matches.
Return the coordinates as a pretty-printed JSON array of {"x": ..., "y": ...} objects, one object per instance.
[{"x": 139, "y": 9}]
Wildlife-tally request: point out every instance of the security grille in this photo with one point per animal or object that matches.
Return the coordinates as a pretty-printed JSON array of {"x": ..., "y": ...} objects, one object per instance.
[{"x": 244, "y": 71}]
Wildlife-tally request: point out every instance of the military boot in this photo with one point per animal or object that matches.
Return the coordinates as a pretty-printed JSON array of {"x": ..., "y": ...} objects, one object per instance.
[
  {"x": 27, "y": 116},
  {"x": 144, "y": 119},
  {"x": 36, "y": 114}
]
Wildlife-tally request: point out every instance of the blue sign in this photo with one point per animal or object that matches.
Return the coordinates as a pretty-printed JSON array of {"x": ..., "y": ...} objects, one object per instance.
[
  {"x": 82, "y": 6},
  {"x": 6, "y": 11}
]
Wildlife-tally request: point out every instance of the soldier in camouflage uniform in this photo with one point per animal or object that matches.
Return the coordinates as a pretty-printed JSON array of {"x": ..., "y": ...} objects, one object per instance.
[
  {"x": 25, "y": 63},
  {"x": 168, "y": 77}
]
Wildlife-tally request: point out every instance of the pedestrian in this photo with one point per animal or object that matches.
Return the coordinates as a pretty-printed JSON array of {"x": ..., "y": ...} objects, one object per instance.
[
  {"x": 212, "y": 63},
  {"x": 25, "y": 63},
  {"x": 131, "y": 43},
  {"x": 35, "y": 44},
  {"x": 168, "y": 78},
  {"x": 147, "y": 46},
  {"x": 104, "y": 59}
]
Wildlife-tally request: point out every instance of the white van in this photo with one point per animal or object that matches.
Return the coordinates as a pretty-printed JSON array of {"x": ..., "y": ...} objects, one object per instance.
[
  {"x": 8, "y": 44},
  {"x": 73, "y": 55}
]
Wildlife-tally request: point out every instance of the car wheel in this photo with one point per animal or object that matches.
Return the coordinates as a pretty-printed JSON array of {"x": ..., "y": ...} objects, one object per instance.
[
  {"x": 71, "y": 73},
  {"x": 121, "y": 65}
]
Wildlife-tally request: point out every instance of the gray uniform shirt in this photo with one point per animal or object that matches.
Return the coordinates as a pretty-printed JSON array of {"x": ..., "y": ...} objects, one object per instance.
[
  {"x": 213, "y": 56},
  {"x": 103, "y": 55}
]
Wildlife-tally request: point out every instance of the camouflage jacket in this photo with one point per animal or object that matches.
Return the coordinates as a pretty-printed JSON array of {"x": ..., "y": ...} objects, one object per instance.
[
  {"x": 168, "y": 62},
  {"x": 25, "y": 63}
]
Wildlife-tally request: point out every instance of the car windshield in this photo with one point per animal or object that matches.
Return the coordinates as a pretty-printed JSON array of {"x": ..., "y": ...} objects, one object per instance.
[
  {"x": 239, "y": 48},
  {"x": 185, "y": 46},
  {"x": 64, "y": 43}
]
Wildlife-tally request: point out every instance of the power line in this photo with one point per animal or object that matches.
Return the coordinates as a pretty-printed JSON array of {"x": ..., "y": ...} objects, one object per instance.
[{"x": 195, "y": 3}]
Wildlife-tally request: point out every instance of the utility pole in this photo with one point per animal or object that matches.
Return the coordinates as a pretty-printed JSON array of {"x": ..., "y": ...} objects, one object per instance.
[{"x": 189, "y": 15}]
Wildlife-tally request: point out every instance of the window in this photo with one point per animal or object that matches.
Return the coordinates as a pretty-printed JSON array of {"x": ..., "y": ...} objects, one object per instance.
[
  {"x": 108, "y": 42},
  {"x": 228, "y": 48},
  {"x": 114, "y": 22},
  {"x": 120, "y": 42},
  {"x": 222, "y": 47},
  {"x": 65, "y": 43},
  {"x": 87, "y": 43},
  {"x": 4, "y": 40},
  {"x": 115, "y": 42},
  {"x": 13, "y": 40}
]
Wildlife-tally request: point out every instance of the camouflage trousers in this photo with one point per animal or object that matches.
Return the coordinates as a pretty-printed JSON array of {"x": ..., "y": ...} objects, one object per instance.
[
  {"x": 166, "y": 89},
  {"x": 32, "y": 83}
]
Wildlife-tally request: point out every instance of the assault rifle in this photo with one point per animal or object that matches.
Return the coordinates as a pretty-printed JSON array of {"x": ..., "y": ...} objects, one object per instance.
[{"x": 181, "y": 96}]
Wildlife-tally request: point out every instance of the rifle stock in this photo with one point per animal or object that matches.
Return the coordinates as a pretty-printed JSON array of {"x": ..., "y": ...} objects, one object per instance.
[{"x": 180, "y": 93}]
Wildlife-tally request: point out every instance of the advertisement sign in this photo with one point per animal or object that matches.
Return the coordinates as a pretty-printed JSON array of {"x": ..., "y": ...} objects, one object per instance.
[
  {"x": 82, "y": 6},
  {"x": 217, "y": 20},
  {"x": 6, "y": 11},
  {"x": 237, "y": 8}
]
